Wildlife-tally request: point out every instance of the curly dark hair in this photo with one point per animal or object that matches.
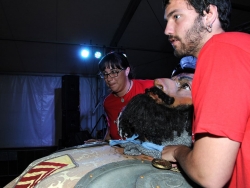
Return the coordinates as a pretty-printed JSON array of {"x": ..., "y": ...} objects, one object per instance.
[
  {"x": 152, "y": 121},
  {"x": 224, "y": 9}
]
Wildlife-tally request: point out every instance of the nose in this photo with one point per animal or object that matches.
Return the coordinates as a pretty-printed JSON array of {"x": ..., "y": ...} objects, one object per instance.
[
  {"x": 168, "y": 30},
  {"x": 165, "y": 84}
]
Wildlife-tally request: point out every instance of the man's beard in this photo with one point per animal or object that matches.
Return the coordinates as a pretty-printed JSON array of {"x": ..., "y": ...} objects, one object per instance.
[
  {"x": 193, "y": 39},
  {"x": 155, "y": 122}
]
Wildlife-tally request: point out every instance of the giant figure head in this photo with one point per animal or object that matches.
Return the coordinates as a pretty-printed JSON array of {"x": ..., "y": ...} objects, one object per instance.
[{"x": 163, "y": 114}]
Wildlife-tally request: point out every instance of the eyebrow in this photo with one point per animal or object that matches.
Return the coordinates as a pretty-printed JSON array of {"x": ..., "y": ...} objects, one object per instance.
[
  {"x": 184, "y": 77},
  {"x": 170, "y": 14},
  {"x": 112, "y": 69}
]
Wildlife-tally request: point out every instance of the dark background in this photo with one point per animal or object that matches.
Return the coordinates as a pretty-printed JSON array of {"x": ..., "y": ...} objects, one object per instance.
[{"x": 45, "y": 36}]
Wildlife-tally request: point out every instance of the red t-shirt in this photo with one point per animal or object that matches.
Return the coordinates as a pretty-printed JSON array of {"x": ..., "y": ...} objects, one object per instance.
[
  {"x": 221, "y": 96},
  {"x": 113, "y": 104}
]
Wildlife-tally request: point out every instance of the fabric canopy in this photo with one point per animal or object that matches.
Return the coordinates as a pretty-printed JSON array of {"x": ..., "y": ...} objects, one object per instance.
[{"x": 30, "y": 110}]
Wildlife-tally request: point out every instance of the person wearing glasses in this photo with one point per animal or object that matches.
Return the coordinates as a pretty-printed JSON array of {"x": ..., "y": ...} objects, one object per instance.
[{"x": 115, "y": 70}]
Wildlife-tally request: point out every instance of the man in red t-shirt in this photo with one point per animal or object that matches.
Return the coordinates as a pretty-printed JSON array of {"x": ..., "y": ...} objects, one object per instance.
[{"x": 220, "y": 156}]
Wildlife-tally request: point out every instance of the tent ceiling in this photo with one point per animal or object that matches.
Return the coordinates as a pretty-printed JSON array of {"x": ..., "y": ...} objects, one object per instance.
[{"x": 45, "y": 36}]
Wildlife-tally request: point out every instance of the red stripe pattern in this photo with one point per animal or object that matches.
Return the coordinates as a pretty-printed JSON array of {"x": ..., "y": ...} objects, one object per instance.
[{"x": 38, "y": 173}]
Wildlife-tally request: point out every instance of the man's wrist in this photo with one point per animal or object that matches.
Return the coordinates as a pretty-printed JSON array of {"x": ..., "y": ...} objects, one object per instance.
[{"x": 180, "y": 152}]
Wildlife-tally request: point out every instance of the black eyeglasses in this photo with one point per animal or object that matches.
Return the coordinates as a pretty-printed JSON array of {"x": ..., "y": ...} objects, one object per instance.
[{"x": 113, "y": 73}]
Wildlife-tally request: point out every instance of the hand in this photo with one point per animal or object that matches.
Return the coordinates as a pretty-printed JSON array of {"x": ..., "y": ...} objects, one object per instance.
[{"x": 168, "y": 153}]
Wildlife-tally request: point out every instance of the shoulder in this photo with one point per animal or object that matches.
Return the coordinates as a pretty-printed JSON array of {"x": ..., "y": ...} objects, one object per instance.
[
  {"x": 109, "y": 98},
  {"x": 139, "y": 86},
  {"x": 231, "y": 38},
  {"x": 224, "y": 44},
  {"x": 143, "y": 82},
  {"x": 230, "y": 34}
]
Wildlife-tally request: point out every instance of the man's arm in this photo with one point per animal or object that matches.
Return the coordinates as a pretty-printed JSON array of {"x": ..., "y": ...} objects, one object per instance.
[{"x": 210, "y": 163}]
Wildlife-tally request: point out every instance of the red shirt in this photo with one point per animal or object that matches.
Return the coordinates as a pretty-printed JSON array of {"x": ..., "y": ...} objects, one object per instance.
[
  {"x": 221, "y": 96},
  {"x": 113, "y": 104}
]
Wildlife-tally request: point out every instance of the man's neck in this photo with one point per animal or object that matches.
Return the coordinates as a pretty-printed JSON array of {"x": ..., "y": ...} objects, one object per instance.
[{"x": 207, "y": 38}]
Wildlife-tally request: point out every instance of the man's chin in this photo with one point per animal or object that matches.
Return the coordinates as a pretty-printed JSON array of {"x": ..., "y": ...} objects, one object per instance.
[{"x": 178, "y": 54}]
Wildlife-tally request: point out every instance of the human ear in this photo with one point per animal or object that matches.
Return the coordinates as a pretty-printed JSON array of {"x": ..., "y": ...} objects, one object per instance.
[
  {"x": 211, "y": 14},
  {"x": 127, "y": 71}
]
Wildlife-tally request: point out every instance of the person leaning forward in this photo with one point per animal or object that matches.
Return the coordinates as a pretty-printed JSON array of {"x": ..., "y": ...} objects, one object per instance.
[
  {"x": 116, "y": 71},
  {"x": 220, "y": 156}
]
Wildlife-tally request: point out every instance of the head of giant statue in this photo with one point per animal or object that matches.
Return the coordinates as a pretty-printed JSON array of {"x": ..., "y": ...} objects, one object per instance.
[{"x": 164, "y": 113}]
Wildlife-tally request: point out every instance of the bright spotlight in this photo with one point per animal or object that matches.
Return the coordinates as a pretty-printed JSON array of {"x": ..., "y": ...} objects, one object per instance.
[
  {"x": 85, "y": 53},
  {"x": 98, "y": 55}
]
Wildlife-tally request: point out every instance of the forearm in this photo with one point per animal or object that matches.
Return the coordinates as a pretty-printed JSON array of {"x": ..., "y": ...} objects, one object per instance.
[
  {"x": 183, "y": 155},
  {"x": 179, "y": 154},
  {"x": 206, "y": 163}
]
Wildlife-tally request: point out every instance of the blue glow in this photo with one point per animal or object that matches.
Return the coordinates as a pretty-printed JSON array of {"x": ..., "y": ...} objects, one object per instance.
[
  {"x": 85, "y": 53},
  {"x": 98, "y": 55}
]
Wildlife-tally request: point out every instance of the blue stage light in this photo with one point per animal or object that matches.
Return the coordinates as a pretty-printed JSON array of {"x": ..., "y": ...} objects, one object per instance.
[
  {"x": 85, "y": 53},
  {"x": 98, "y": 54}
]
